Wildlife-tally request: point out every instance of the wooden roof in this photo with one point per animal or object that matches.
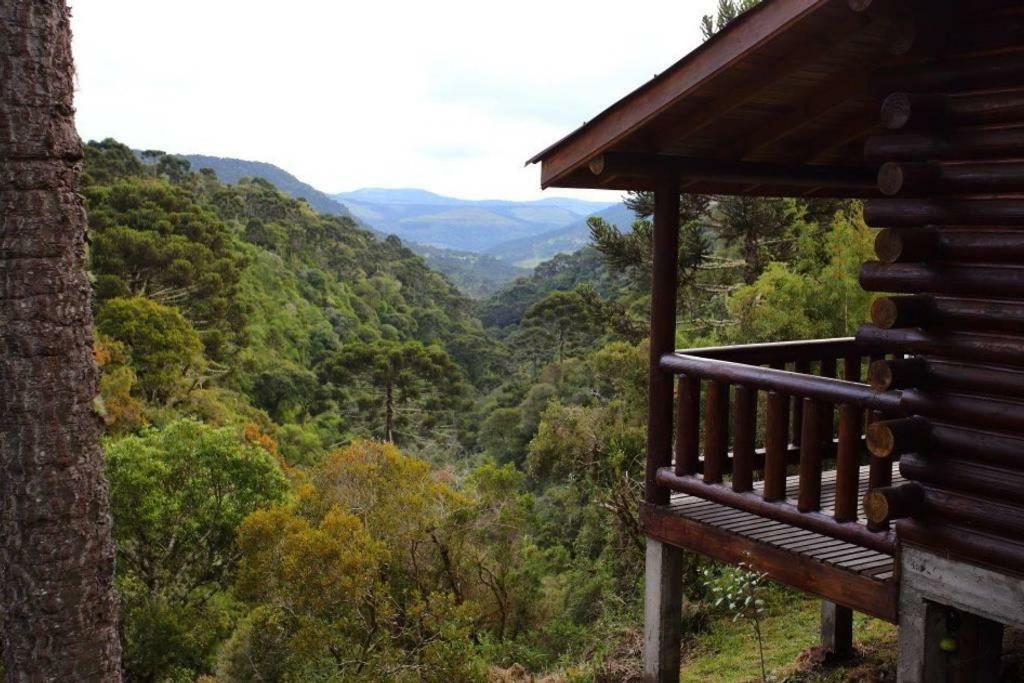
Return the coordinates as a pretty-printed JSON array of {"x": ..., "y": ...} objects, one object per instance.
[{"x": 778, "y": 103}]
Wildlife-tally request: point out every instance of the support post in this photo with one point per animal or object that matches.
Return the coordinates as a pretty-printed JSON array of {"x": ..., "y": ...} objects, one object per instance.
[
  {"x": 837, "y": 629},
  {"x": 663, "y": 335},
  {"x": 920, "y": 630},
  {"x": 944, "y": 598},
  {"x": 663, "y": 590},
  {"x": 663, "y": 599}
]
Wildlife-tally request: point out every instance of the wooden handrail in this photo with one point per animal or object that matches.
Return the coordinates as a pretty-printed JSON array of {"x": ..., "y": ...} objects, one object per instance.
[
  {"x": 829, "y": 390},
  {"x": 784, "y": 352}
]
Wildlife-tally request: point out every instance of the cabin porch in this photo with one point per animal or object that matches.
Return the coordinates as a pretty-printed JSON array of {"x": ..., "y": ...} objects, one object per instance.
[
  {"x": 771, "y": 468},
  {"x": 781, "y": 455},
  {"x": 776, "y": 471}
]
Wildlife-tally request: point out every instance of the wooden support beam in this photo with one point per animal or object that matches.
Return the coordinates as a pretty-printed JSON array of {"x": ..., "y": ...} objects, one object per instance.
[
  {"x": 966, "y": 314},
  {"x": 663, "y": 603},
  {"x": 987, "y": 549},
  {"x": 663, "y": 335},
  {"x": 936, "y": 374},
  {"x": 837, "y": 629},
  {"x": 970, "y": 346},
  {"x": 990, "y": 447},
  {"x": 962, "y": 145},
  {"x": 930, "y": 112},
  {"x": 998, "y": 71},
  {"x": 912, "y": 179},
  {"x": 635, "y": 164},
  {"x": 951, "y": 245},
  {"x": 972, "y": 511},
  {"x": 981, "y": 280}
]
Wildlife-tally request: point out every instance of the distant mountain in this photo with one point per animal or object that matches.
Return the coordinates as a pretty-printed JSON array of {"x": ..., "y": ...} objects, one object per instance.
[
  {"x": 475, "y": 275},
  {"x": 461, "y": 224},
  {"x": 230, "y": 171},
  {"x": 527, "y": 252}
]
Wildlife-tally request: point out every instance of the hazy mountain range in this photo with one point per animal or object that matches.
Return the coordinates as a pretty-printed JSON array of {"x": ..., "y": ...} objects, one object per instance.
[
  {"x": 479, "y": 244},
  {"x": 230, "y": 171},
  {"x": 527, "y": 252},
  {"x": 467, "y": 225}
]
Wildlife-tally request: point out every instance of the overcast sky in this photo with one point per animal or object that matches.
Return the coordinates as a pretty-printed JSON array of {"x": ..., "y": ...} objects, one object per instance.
[{"x": 449, "y": 95}]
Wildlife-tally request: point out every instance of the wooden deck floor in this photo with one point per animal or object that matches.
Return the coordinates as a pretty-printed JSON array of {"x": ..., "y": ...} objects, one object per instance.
[{"x": 839, "y": 571}]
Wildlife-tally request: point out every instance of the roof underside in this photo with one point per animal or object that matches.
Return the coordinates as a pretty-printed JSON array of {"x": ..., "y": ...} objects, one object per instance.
[{"x": 786, "y": 85}]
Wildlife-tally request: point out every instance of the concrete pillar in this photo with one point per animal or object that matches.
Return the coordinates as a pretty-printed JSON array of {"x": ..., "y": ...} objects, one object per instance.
[
  {"x": 966, "y": 604},
  {"x": 663, "y": 602},
  {"x": 837, "y": 629}
]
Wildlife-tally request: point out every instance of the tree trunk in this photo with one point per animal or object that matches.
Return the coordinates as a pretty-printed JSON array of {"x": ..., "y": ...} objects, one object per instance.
[
  {"x": 389, "y": 412},
  {"x": 56, "y": 553}
]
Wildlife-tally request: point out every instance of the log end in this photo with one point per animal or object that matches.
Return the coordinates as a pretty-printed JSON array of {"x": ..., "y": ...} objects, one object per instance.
[
  {"x": 891, "y": 178},
  {"x": 880, "y": 440},
  {"x": 597, "y": 164},
  {"x": 884, "y": 312},
  {"x": 896, "y": 111},
  {"x": 888, "y": 246},
  {"x": 876, "y": 507},
  {"x": 860, "y": 5},
  {"x": 880, "y": 375}
]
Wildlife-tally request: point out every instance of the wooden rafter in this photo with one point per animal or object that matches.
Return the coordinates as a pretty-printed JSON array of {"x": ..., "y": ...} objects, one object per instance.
[
  {"x": 765, "y": 78},
  {"x": 824, "y": 99}
]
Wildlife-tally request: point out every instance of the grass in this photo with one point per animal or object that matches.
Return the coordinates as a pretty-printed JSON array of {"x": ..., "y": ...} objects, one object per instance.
[{"x": 727, "y": 651}]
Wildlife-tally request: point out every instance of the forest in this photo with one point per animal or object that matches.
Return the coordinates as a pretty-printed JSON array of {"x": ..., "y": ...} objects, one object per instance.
[{"x": 326, "y": 463}]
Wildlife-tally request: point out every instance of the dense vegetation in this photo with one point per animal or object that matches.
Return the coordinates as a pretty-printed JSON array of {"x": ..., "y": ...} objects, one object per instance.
[
  {"x": 328, "y": 464},
  {"x": 325, "y": 467}
]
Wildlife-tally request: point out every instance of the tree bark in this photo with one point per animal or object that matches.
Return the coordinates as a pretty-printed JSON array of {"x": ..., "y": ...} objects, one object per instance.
[{"x": 56, "y": 553}]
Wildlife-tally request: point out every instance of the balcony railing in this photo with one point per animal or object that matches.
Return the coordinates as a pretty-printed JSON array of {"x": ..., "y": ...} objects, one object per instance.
[{"x": 769, "y": 408}]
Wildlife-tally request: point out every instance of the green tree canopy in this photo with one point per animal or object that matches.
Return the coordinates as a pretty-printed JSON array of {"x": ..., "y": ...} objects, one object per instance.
[
  {"x": 152, "y": 239},
  {"x": 402, "y": 376},
  {"x": 165, "y": 350}
]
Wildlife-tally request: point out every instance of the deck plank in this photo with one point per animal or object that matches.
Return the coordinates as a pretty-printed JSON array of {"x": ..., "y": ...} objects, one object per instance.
[{"x": 858, "y": 577}]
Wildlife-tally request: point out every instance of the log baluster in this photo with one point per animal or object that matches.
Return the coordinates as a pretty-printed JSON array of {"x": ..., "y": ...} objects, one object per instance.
[
  {"x": 688, "y": 426},
  {"x": 776, "y": 446},
  {"x": 851, "y": 368},
  {"x": 809, "y": 498},
  {"x": 716, "y": 432},
  {"x": 744, "y": 434},
  {"x": 827, "y": 369},
  {"x": 804, "y": 368},
  {"x": 851, "y": 423}
]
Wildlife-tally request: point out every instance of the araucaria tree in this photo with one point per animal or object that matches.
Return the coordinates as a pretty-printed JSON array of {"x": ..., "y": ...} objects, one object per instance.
[{"x": 56, "y": 555}]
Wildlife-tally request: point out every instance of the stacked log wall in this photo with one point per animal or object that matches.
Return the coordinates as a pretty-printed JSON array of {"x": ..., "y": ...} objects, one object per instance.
[{"x": 950, "y": 272}]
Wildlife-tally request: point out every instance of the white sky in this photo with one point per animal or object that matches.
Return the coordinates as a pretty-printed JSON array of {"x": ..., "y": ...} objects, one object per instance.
[{"x": 450, "y": 95}]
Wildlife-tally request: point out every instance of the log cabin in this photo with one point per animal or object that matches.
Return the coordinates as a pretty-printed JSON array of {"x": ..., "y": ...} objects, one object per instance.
[{"x": 890, "y": 480}]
